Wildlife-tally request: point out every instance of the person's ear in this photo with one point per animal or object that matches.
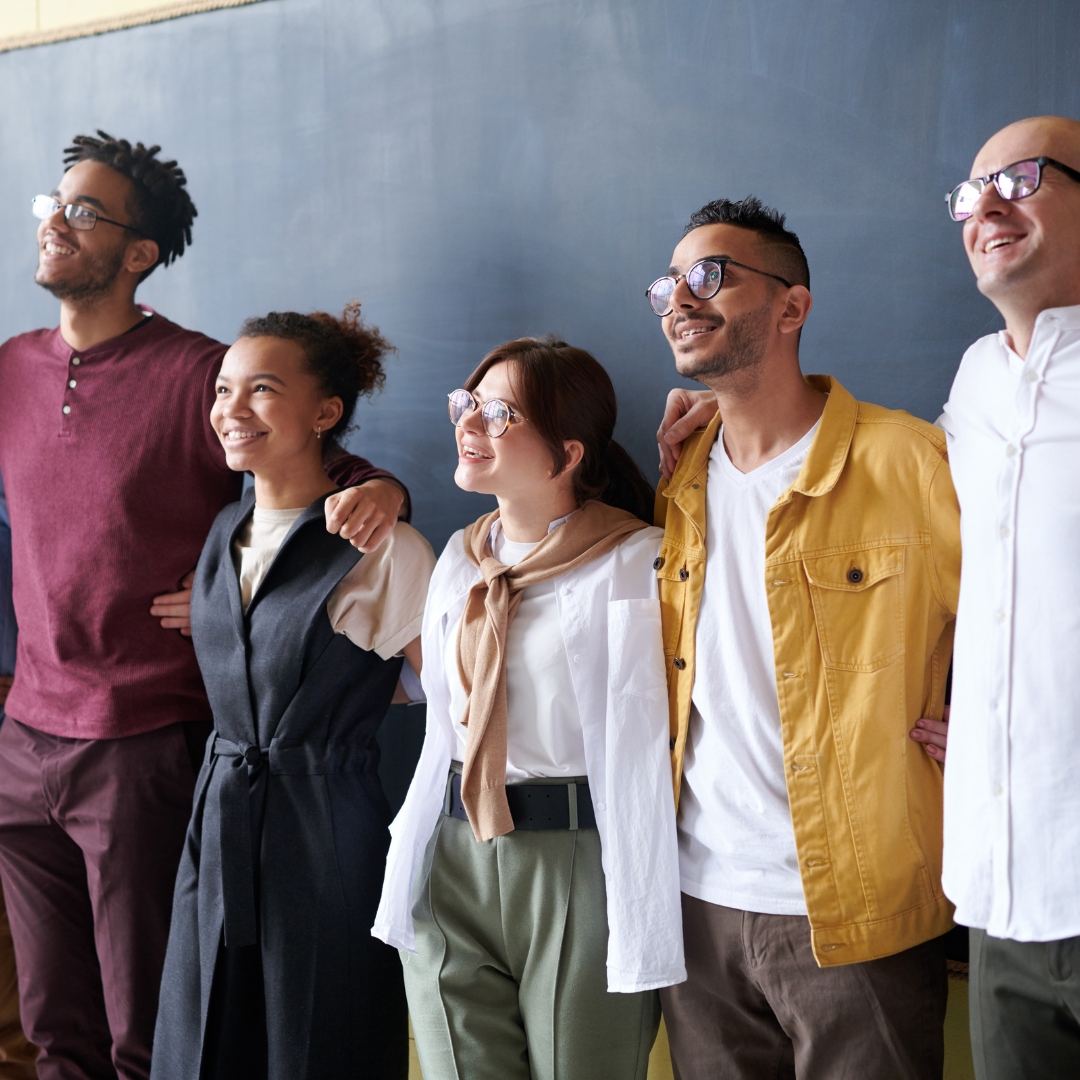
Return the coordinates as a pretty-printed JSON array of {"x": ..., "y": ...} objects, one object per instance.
[
  {"x": 329, "y": 413},
  {"x": 797, "y": 305},
  {"x": 575, "y": 451},
  {"x": 141, "y": 255}
]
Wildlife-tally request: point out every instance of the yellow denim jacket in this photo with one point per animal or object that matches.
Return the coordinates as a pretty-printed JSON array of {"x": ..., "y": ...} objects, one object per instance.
[{"x": 862, "y": 574}]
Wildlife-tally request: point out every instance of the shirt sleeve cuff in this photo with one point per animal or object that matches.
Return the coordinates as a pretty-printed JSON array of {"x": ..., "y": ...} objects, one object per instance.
[{"x": 392, "y": 646}]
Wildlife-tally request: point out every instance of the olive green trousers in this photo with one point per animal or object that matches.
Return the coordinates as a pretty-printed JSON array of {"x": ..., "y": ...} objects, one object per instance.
[{"x": 508, "y": 979}]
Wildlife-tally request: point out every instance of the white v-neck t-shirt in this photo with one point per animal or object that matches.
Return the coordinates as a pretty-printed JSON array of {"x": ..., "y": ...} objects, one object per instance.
[
  {"x": 543, "y": 725},
  {"x": 736, "y": 841}
]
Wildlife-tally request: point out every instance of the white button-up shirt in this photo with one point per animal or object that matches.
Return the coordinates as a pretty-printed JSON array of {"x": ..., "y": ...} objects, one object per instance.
[
  {"x": 609, "y": 614},
  {"x": 1012, "y": 785}
]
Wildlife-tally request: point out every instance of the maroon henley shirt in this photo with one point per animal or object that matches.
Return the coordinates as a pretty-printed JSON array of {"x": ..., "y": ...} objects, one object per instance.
[{"x": 113, "y": 477}]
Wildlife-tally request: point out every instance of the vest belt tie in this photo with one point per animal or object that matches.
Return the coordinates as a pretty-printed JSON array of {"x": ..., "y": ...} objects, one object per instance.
[{"x": 237, "y": 869}]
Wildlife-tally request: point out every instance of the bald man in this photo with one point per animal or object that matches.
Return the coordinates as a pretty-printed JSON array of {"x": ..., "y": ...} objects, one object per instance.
[{"x": 1012, "y": 789}]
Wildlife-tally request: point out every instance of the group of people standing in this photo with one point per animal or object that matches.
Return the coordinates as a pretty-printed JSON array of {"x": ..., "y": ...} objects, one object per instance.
[{"x": 672, "y": 757}]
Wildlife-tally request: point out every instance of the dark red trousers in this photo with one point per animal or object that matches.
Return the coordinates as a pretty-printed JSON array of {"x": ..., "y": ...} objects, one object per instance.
[{"x": 90, "y": 837}]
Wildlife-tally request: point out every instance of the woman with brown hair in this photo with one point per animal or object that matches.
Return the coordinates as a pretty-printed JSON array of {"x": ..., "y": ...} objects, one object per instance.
[
  {"x": 532, "y": 882},
  {"x": 271, "y": 973}
]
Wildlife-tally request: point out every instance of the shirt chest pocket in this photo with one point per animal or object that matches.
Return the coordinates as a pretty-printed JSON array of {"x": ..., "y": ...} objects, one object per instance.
[{"x": 858, "y": 607}]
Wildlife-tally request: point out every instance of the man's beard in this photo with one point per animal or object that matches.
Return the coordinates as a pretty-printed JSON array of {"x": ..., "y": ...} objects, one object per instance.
[
  {"x": 747, "y": 339},
  {"x": 96, "y": 280}
]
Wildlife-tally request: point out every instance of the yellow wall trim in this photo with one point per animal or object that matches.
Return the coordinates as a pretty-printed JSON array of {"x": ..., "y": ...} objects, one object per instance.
[{"x": 169, "y": 9}]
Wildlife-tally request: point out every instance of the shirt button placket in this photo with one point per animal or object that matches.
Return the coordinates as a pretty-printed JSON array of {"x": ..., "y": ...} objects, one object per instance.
[
  {"x": 1000, "y": 719},
  {"x": 72, "y": 382}
]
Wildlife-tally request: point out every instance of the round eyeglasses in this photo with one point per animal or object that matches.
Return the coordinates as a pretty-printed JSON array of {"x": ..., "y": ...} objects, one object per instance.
[
  {"x": 703, "y": 279},
  {"x": 1015, "y": 181},
  {"x": 75, "y": 214},
  {"x": 496, "y": 414}
]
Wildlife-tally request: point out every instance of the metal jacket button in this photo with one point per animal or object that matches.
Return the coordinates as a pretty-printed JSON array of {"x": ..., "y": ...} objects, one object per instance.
[
  {"x": 683, "y": 574},
  {"x": 855, "y": 575},
  {"x": 658, "y": 562},
  {"x": 680, "y": 663}
]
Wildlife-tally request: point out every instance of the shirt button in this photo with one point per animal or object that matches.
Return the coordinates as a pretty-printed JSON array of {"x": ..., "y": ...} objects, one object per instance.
[
  {"x": 76, "y": 361},
  {"x": 1030, "y": 376},
  {"x": 1004, "y": 531},
  {"x": 67, "y": 409},
  {"x": 601, "y": 807},
  {"x": 578, "y": 658},
  {"x": 999, "y": 616},
  {"x": 998, "y": 789},
  {"x": 71, "y": 383},
  {"x": 1010, "y": 450}
]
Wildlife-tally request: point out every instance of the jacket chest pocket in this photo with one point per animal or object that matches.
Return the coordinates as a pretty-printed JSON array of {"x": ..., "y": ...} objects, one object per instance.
[{"x": 858, "y": 607}]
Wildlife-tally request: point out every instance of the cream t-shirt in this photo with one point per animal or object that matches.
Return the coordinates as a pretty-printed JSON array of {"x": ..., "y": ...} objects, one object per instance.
[{"x": 378, "y": 605}]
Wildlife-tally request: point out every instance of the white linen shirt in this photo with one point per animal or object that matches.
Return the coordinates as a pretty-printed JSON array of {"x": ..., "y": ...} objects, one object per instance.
[
  {"x": 610, "y": 619},
  {"x": 1012, "y": 796}
]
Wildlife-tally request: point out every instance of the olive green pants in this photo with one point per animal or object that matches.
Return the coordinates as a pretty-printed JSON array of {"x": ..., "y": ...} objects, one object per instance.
[{"x": 508, "y": 979}]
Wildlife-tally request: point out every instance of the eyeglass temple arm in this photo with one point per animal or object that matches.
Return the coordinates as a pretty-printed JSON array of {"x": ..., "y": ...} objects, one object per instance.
[
  {"x": 764, "y": 273},
  {"x": 1070, "y": 172}
]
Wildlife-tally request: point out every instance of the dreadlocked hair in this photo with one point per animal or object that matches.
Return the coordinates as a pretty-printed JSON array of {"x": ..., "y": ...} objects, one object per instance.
[
  {"x": 159, "y": 205},
  {"x": 343, "y": 354}
]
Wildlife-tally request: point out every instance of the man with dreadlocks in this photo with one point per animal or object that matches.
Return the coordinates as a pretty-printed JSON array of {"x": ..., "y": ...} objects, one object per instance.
[{"x": 113, "y": 477}]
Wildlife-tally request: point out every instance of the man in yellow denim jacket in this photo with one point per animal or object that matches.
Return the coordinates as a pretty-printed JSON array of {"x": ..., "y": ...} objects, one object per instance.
[{"x": 808, "y": 585}]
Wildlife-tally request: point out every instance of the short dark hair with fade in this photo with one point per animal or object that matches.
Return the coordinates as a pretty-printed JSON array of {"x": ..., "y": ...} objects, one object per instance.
[
  {"x": 159, "y": 206},
  {"x": 751, "y": 213}
]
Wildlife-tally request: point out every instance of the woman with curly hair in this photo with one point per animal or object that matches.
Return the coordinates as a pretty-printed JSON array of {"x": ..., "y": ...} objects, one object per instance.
[{"x": 271, "y": 971}]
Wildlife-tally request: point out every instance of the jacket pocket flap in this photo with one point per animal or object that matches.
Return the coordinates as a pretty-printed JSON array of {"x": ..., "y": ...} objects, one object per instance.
[{"x": 853, "y": 571}]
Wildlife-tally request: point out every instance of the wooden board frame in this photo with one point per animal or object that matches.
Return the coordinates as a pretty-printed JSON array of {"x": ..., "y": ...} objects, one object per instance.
[{"x": 170, "y": 10}]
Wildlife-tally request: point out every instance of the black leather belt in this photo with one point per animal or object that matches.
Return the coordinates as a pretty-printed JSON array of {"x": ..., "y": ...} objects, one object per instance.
[{"x": 538, "y": 806}]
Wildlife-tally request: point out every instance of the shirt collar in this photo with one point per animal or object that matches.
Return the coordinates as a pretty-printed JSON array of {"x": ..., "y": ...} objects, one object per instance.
[
  {"x": 1046, "y": 320},
  {"x": 496, "y": 528},
  {"x": 825, "y": 458}
]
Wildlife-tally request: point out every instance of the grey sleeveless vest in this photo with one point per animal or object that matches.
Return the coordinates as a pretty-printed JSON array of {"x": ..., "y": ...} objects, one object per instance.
[{"x": 288, "y": 836}]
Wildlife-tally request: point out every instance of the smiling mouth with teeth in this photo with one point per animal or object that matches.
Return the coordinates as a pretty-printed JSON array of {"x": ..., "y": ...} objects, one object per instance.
[
  {"x": 58, "y": 249},
  {"x": 472, "y": 452},
  {"x": 237, "y": 436},
  {"x": 1000, "y": 241}
]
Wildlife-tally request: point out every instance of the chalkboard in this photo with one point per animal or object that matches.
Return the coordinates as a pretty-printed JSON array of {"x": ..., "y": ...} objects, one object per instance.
[{"x": 480, "y": 169}]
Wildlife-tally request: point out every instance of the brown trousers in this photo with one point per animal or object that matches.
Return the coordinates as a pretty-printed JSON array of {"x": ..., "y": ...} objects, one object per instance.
[
  {"x": 755, "y": 1005},
  {"x": 16, "y": 1054},
  {"x": 90, "y": 837}
]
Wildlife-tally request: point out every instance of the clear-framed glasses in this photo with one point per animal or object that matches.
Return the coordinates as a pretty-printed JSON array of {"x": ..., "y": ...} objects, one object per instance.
[
  {"x": 703, "y": 279},
  {"x": 1015, "y": 181},
  {"x": 496, "y": 413},
  {"x": 75, "y": 214}
]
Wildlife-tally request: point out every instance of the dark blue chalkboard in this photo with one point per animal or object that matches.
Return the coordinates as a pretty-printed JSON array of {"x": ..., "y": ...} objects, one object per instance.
[{"x": 474, "y": 170}]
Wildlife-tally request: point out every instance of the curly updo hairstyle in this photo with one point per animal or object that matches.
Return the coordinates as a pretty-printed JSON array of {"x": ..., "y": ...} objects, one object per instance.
[
  {"x": 343, "y": 354},
  {"x": 565, "y": 394},
  {"x": 159, "y": 205}
]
